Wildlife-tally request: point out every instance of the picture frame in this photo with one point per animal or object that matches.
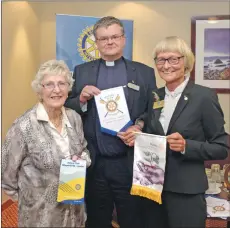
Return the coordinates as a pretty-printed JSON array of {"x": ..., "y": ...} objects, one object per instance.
[{"x": 210, "y": 37}]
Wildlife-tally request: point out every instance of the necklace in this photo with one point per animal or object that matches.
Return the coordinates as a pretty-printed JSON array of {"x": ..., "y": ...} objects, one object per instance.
[{"x": 58, "y": 122}]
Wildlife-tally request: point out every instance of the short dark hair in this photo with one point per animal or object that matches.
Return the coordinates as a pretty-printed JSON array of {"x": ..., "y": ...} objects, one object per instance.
[{"x": 106, "y": 22}]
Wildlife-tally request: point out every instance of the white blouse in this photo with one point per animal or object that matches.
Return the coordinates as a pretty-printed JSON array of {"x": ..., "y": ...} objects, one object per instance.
[{"x": 62, "y": 138}]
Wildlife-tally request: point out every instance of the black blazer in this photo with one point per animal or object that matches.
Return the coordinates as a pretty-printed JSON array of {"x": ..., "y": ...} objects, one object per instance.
[
  {"x": 199, "y": 119},
  {"x": 87, "y": 74}
]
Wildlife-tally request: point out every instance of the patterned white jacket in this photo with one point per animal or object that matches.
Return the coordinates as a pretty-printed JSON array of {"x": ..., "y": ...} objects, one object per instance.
[{"x": 30, "y": 170}]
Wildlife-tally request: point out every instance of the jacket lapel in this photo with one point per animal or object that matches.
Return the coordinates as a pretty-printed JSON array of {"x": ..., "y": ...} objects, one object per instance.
[
  {"x": 157, "y": 111},
  {"x": 93, "y": 72},
  {"x": 161, "y": 93},
  {"x": 183, "y": 101},
  {"x": 131, "y": 78},
  {"x": 75, "y": 146}
]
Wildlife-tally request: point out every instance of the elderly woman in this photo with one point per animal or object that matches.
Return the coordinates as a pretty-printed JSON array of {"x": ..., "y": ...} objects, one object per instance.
[
  {"x": 34, "y": 147},
  {"x": 191, "y": 118}
]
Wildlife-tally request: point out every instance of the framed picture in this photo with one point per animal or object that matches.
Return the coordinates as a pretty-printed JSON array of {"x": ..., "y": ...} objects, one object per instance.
[{"x": 210, "y": 40}]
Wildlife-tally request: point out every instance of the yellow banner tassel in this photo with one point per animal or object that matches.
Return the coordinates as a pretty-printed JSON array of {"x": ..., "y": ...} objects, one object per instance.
[{"x": 146, "y": 192}]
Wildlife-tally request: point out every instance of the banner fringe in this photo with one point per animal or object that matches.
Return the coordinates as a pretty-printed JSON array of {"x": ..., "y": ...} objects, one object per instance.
[{"x": 146, "y": 192}]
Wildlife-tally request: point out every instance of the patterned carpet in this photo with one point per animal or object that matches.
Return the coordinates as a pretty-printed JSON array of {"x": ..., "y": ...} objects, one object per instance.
[
  {"x": 10, "y": 217},
  {"x": 9, "y": 214}
]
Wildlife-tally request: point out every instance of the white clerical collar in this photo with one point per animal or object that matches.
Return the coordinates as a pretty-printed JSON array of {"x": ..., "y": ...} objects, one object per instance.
[
  {"x": 109, "y": 64},
  {"x": 112, "y": 63},
  {"x": 42, "y": 114}
]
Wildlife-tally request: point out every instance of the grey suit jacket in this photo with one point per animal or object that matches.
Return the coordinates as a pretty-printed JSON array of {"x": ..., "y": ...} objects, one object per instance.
[{"x": 199, "y": 119}]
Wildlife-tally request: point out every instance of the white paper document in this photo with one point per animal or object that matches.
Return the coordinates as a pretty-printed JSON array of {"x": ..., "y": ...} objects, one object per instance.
[
  {"x": 112, "y": 110},
  {"x": 217, "y": 207}
]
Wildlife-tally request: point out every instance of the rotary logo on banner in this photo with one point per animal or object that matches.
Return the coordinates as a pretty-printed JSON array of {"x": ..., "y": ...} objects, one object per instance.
[
  {"x": 75, "y": 42},
  {"x": 112, "y": 110}
]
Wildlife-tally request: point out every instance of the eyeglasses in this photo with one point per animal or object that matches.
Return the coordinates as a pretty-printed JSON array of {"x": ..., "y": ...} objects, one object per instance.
[
  {"x": 112, "y": 38},
  {"x": 50, "y": 85},
  {"x": 171, "y": 60}
]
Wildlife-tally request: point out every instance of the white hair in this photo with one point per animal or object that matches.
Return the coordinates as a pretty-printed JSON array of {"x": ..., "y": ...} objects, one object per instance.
[{"x": 52, "y": 67}]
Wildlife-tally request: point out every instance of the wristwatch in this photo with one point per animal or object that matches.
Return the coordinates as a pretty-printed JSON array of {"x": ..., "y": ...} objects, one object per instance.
[{"x": 140, "y": 123}]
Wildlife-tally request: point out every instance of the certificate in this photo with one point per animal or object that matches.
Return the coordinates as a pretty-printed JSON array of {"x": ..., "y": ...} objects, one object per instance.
[{"x": 112, "y": 110}]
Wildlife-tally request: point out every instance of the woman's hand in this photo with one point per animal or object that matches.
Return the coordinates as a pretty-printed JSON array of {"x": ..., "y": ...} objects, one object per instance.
[
  {"x": 84, "y": 156},
  {"x": 75, "y": 158},
  {"x": 128, "y": 137},
  {"x": 176, "y": 142}
]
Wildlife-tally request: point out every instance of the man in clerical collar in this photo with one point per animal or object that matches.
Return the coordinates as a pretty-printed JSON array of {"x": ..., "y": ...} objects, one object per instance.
[{"x": 109, "y": 179}]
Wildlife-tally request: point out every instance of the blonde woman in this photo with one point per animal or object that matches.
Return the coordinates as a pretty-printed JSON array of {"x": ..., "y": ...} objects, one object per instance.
[{"x": 193, "y": 121}]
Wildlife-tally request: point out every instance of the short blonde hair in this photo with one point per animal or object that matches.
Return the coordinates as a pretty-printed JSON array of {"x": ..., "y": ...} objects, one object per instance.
[
  {"x": 52, "y": 67},
  {"x": 176, "y": 44}
]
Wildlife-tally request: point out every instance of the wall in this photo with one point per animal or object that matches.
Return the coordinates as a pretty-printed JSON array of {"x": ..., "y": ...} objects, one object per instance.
[
  {"x": 20, "y": 57},
  {"x": 28, "y": 38}
]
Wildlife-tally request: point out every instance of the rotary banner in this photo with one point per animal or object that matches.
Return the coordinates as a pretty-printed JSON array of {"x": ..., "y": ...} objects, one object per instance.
[
  {"x": 75, "y": 43},
  {"x": 112, "y": 110}
]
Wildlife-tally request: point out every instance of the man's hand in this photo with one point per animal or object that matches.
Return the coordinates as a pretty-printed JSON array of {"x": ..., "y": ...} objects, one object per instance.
[
  {"x": 176, "y": 142},
  {"x": 88, "y": 92},
  {"x": 128, "y": 137}
]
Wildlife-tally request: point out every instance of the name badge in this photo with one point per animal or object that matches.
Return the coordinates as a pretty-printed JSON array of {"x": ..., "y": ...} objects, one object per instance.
[
  {"x": 133, "y": 86},
  {"x": 158, "y": 104}
]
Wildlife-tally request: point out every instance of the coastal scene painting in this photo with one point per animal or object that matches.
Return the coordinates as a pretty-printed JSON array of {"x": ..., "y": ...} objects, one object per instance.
[{"x": 216, "y": 54}]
